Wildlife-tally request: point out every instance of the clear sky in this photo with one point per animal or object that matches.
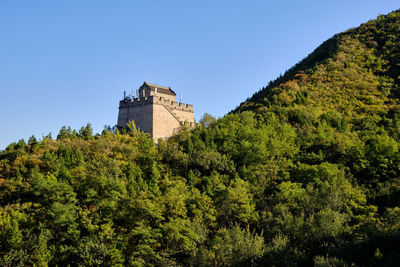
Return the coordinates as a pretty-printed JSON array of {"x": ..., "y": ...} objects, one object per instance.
[{"x": 68, "y": 62}]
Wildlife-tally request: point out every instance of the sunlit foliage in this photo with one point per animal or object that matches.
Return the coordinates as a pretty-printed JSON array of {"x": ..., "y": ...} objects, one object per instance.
[{"x": 306, "y": 172}]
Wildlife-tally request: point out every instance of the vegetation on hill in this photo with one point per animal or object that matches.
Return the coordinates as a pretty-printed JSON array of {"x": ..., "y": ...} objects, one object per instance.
[{"x": 306, "y": 171}]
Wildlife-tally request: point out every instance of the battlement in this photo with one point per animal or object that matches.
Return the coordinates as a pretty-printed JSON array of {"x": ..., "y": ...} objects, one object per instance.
[
  {"x": 129, "y": 102},
  {"x": 155, "y": 111}
]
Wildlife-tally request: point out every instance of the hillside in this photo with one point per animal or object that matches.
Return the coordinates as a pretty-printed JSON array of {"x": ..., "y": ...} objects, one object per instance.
[
  {"x": 355, "y": 73},
  {"x": 305, "y": 172}
]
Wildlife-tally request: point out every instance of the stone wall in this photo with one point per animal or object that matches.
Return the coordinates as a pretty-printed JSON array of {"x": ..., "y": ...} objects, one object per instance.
[
  {"x": 164, "y": 123},
  {"x": 185, "y": 116},
  {"x": 156, "y": 115},
  {"x": 141, "y": 114}
]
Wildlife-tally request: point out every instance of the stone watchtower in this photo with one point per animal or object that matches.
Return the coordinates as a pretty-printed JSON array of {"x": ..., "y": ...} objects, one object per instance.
[{"x": 155, "y": 111}]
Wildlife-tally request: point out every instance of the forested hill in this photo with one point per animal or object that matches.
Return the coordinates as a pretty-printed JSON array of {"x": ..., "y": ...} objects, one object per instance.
[
  {"x": 306, "y": 172},
  {"x": 355, "y": 73}
]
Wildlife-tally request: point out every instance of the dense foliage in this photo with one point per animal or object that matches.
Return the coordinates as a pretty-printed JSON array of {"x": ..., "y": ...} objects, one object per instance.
[{"x": 305, "y": 172}]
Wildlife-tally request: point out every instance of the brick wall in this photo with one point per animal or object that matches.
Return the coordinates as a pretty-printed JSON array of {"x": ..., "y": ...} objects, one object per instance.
[{"x": 157, "y": 115}]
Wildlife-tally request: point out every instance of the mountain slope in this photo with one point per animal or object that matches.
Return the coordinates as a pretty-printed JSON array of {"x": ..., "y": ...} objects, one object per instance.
[
  {"x": 305, "y": 172},
  {"x": 355, "y": 72}
]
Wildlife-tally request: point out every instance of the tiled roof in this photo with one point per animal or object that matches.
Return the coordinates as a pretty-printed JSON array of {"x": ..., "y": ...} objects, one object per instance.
[{"x": 160, "y": 89}]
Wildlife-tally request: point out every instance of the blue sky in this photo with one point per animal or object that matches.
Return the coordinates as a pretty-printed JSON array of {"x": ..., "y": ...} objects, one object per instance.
[{"x": 68, "y": 62}]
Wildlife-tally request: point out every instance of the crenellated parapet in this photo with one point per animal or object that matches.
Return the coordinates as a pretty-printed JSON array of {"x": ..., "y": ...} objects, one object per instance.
[
  {"x": 174, "y": 105},
  {"x": 155, "y": 111}
]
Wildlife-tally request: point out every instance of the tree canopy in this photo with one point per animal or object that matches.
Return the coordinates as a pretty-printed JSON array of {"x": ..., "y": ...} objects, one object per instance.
[{"x": 305, "y": 172}]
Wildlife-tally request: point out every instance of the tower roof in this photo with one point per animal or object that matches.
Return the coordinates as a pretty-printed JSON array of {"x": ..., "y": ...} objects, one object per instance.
[{"x": 160, "y": 89}]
